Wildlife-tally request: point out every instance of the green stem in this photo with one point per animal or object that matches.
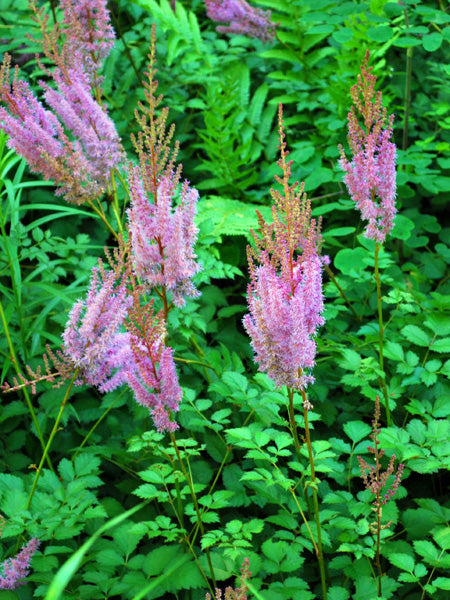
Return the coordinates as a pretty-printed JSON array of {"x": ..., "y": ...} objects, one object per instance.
[
  {"x": 50, "y": 439},
  {"x": 115, "y": 203},
  {"x": 341, "y": 291},
  {"x": 315, "y": 498},
  {"x": 409, "y": 55},
  {"x": 14, "y": 361},
  {"x": 194, "y": 500},
  {"x": 381, "y": 335}
]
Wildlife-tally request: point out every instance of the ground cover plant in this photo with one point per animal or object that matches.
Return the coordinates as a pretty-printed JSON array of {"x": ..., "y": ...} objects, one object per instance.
[{"x": 219, "y": 382}]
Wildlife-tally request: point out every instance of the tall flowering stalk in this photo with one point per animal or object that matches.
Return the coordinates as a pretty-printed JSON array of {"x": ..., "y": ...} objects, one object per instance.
[
  {"x": 243, "y": 18},
  {"x": 75, "y": 144},
  {"x": 162, "y": 229},
  {"x": 375, "y": 480},
  {"x": 370, "y": 176},
  {"x": 285, "y": 301},
  {"x": 13, "y": 570}
]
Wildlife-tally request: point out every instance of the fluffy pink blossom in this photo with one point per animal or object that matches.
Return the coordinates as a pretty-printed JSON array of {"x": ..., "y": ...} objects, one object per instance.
[
  {"x": 93, "y": 339},
  {"x": 163, "y": 236},
  {"x": 244, "y": 19},
  {"x": 13, "y": 570},
  {"x": 370, "y": 176},
  {"x": 89, "y": 34},
  {"x": 285, "y": 291}
]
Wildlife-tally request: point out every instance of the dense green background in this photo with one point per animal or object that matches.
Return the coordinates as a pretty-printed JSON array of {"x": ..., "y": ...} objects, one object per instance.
[{"x": 223, "y": 92}]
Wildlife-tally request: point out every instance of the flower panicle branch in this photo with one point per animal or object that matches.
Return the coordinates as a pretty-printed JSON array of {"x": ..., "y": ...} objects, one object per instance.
[
  {"x": 239, "y": 593},
  {"x": 285, "y": 290},
  {"x": 161, "y": 216},
  {"x": 375, "y": 480},
  {"x": 75, "y": 144},
  {"x": 243, "y": 18},
  {"x": 370, "y": 176},
  {"x": 14, "y": 570}
]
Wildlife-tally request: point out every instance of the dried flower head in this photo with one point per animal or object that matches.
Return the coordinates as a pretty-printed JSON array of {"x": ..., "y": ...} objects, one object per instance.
[{"x": 371, "y": 174}]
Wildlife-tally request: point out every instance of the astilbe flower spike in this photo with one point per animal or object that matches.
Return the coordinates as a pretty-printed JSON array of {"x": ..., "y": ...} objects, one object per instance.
[
  {"x": 239, "y": 593},
  {"x": 93, "y": 340},
  {"x": 285, "y": 292},
  {"x": 13, "y": 570},
  {"x": 79, "y": 165},
  {"x": 371, "y": 174},
  {"x": 154, "y": 379},
  {"x": 163, "y": 233},
  {"x": 244, "y": 19}
]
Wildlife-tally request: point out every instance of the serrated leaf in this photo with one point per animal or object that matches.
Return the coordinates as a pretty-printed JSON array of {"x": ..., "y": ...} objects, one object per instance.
[
  {"x": 416, "y": 335},
  {"x": 405, "y": 562},
  {"x": 442, "y": 583},
  {"x": 428, "y": 551},
  {"x": 441, "y": 345},
  {"x": 442, "y": 538},
  {"x": 357, "y": 430}
]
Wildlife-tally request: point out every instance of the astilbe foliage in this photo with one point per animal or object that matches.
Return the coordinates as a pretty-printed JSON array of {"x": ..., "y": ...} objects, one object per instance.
[
  {"x": 13, "y": 570},
  {"x": 75, "y": 144},
  {"x": 371, "y": 174},
  {"x": 285, "y": 291},
  {"x": 163, "y": 232},
  {"x": 243, "y": 18}
]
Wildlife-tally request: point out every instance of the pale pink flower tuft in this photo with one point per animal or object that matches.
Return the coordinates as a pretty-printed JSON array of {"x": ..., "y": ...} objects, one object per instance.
[
  {"x": 15, "y": 569},
  {"x": 244, "y": 19},
  {"x": 163, "y": 236},
  {"x": 370, "y": 176}
]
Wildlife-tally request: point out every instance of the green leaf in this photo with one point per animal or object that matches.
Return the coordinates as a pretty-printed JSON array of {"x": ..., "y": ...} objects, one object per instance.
[
  {"x": 351, "y": 360},
  {"x": 406, "y": 42},
  {"x": 416, "y": 335},
  {"x": 338, "y": 232},
  {"x": 427, "y": 551},
  {"x": 405, "y": 562},
  {"x": 351, "y": 260},
  {"x": 442, "y": 538},
  {"x": 70, "y": 567},
  {"x": 432, "y": 42},
  {"x": 338, "y": 593},
  {"x": 357, "y": 430},
  {"x": 441, "y": 345},
  {"x": 380, "y": 34},
  {"x": 343, "y": 36},
  {"x": 442, "y": 583},
  {"x": 402, "y": 227},
  {"x": 394, "y": 351}
]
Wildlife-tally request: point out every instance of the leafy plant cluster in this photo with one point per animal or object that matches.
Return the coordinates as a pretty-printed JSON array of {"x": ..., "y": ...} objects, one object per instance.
[{"x": 123, "y": 511}]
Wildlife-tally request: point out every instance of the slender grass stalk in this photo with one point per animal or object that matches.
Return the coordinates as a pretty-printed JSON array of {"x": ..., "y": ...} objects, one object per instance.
[
  {"x": 14, "y": 361},
  {"x": 381, "y": 334},
  {"x": 195, "y": 502},
  {"x": 51, "y": 437},
  {"x": 341, "y": 291},
  {"x": 409, "y": 55},
  {"x": 320, "y": 558}
]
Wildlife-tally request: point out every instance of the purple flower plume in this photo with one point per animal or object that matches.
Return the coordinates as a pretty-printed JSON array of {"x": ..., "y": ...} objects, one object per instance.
[
  {"x": 92, "y": 337},
  {"x": 163, "y": 235},
  {"x": 244, "y": 19},
  {"x": 88, "y": 32},
  {"x": 285, "y": 291},
  {"x": 13, "y": 570},
  {"x": 371, "y": 175}
]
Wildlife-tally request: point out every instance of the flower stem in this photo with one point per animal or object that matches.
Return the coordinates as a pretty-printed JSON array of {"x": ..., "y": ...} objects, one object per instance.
[
  {"x": 315, "y": 498},
  {"x": 381, "y": 335},
  {"x": 50, "y": 439},
  {"x": 341, "y": 291}
]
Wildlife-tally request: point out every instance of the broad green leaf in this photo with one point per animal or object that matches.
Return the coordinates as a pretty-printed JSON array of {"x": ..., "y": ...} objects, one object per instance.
[
  {"x": 441, "y": 345},
  {"x": 416, "y": 335},
  {"x": 381, "y": 34},
  {"x": 442, "y": 583},
  {"x": 338, "y": 593},
  {"x": 405, "y": 562},
  {"x": 432, "y": 42},
  {"x": 442, "y": 538},
  {"x": 427, "y": 551},
  {"x": 357, "y": 430},
  {"x": 351, "y": 260}
]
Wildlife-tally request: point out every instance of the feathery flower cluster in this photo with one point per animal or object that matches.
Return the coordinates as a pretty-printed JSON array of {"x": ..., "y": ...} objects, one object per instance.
[
  {"x": 154, "y": 380},
  {"x": 89, "y": 34},
  {"x": 13, "y": 570},
  {"x": 163, "y": 236},
  {"x": 80, "y": 168},
  {"x": 285, "y": 292},
  {"x": 92, "y": 337},
  {"x": 244, "y": 19},
  {"x": 375, "y": 480},
  {"x": 371, "y": 175}
]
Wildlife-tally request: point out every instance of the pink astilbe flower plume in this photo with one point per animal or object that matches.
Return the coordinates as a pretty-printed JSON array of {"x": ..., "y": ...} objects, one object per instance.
[
  {"x": 93, "y": 340},
  {"x": 75, "y": 144},
  {"x": 13, "y": 570},
  {"x": 371, "y": 174},
  {"x": 285, "y": 292},
  {"x": 154, "y": 379},
  {"x": 163, "y": 233},
  {"x": 243, "y": 18}
]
